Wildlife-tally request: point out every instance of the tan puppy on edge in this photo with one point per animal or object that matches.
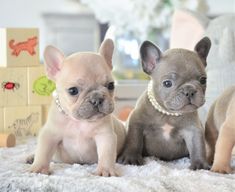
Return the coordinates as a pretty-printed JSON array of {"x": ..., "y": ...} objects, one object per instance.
[
  {"x": 80, "y": 127},
  {"x": 220, "y": 131}
]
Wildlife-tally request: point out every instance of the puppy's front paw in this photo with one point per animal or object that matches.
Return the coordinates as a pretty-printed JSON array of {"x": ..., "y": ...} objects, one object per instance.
[
  {"x": 40, "y": 169},
  {"x": 30, "y": 159},
  {"x": 224, "y": 169},
  {"x": 199, "y": 164},
  {"x": 106, "y": 172},
  {"x": 131, "y": 159}
]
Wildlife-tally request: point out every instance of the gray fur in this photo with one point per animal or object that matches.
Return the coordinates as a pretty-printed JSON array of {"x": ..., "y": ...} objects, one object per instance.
[{"x": 145, "y": 125}]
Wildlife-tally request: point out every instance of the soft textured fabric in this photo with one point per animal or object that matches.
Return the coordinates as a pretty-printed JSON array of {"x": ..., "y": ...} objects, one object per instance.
[{"x": 155, "y": 175}]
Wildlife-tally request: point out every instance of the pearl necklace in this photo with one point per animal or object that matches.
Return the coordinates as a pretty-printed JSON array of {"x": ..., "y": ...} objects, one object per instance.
[
  {"x": 154, "y": 102},
  {"x": 57, "y": 102}
]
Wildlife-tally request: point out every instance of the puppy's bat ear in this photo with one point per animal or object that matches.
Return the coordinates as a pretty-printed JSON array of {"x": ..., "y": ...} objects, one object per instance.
[
  {"x": 106, "y": 50},
  {"x": 202, "y": 48},
  {"x": 53, "y": 60},
  {"x": 150, "y": 55}
]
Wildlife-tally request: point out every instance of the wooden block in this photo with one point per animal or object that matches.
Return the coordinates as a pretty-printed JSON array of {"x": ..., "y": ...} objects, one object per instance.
[
  {"x": 23, "y": 121},
  {"x": 45, "y": 110},
  {"x": 1, "y": 121},
  {"x": 19, "y": 47},
  {"x": 13, "y": 86},
  {"x": 7, "y": 140},
  {"x": 40, "y": 87}
]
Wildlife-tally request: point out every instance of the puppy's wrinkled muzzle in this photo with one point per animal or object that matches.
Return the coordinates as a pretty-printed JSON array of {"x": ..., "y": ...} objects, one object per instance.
[
  {"x": 188, "y": 99},
  {"x": 94, "y": 108}
]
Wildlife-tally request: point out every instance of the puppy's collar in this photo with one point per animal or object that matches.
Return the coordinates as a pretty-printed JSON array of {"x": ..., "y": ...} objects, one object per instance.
[
  {"x": 154, "y": 102},
  {"x": 57, "y": 102}
]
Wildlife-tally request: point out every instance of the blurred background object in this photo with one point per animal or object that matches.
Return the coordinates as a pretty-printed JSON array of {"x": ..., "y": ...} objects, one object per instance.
[
  {"x": 141, "y": 18},
  {"x": 133, "y": 21},
  {"x": 72, "y": 32},
  {"x": 74, "y": 25}
]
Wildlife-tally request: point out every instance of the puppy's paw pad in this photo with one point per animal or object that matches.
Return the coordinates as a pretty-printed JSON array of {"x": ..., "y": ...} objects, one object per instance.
[
  {"x": 224, "y": 169},
  {"x": 131, "y": 159},
  {"x": 199, "y": 165}
]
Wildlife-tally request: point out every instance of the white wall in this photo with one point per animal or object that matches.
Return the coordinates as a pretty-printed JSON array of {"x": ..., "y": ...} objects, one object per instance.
[
  {"x": 221, "y": 6},
  {"x": 27, "y": 13}
]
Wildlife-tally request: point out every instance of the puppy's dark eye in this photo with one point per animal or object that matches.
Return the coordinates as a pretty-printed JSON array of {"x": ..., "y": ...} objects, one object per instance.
[
  {"x": 167, "y": 83},
  {"x": 73, "y": 91},
  {"x": 110, "y": 86},
  {"x": 203, "y": 80}
]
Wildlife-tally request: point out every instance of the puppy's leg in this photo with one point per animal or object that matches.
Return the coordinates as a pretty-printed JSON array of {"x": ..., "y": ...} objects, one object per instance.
[
  {"x": 132, "y": 153},
  {"x": 223, "y": 149},
  {"x": 45, "y": 149},
  {"x": 211, "y": 135},
  {"x": 195, "y": 143},
  {"x": 106, "y": 144}
]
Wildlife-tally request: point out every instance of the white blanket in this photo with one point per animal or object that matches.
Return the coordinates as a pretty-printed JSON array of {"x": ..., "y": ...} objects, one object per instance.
[{"x": 155, "y": 175}]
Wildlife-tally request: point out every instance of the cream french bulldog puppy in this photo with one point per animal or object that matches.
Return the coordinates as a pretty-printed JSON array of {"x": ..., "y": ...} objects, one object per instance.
[
  {"x": 220, "y": 131},
  {"x": 80, "y": 126},
  {"x": 165, "y": 121}
]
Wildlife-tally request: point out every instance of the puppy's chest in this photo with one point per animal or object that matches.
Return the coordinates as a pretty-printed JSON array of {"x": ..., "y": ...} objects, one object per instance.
[
  {"x": 79, "y": 130},
  {"x": 166, "y": 131},
  {"x": 79, "y": 144}
]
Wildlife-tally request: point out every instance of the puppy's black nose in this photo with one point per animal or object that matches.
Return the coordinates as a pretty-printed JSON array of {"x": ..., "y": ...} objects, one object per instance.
[
  {"x": 190, "y": 92},
  {"x": 96, "y": 101}
]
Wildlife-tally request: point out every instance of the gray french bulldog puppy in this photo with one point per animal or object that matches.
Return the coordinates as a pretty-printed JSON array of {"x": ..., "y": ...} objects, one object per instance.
[{"x": 165, "y": 121}]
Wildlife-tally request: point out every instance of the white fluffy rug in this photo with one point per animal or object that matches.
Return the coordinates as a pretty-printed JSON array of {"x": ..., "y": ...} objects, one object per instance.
[{"x": 155, "y": 175}]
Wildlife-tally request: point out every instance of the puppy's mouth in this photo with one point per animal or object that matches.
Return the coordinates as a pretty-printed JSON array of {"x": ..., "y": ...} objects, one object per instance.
[
  {"x": 186, "y": 108},
  {"x": 182, "y": 103},
  {"x": 95, "y": 114},
  {"x": 90, "y": 113},
  {"x": 90, "y": 118}
]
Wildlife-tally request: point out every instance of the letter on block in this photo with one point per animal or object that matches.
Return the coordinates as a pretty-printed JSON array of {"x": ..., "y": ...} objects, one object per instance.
[
  {"x": 40, "y": 88},
  {"x": 13, "y": 86},
  {"x": 23, "y": 121},
  {"x": 19, "y": 47}
]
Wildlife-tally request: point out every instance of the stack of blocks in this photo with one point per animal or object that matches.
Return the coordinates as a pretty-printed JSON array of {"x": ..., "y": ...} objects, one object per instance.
[{"x": 25, "y": 92}]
